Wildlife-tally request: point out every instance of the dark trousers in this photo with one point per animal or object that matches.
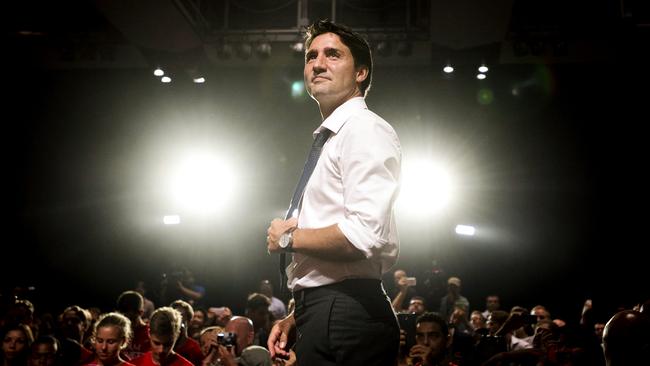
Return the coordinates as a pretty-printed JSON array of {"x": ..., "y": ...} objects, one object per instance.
[{"x": 347, "y": 323}]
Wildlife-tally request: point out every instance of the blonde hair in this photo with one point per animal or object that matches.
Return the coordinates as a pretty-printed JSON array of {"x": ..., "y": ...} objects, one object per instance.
[{"x": 115, "y": 320}]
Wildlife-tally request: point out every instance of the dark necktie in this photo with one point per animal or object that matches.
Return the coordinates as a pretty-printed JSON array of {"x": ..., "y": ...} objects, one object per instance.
[{"x": 310, "y": 164}]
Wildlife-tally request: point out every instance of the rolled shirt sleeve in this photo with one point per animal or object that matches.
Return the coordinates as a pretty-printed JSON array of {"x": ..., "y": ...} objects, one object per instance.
[{"x": 370, "y": 170}]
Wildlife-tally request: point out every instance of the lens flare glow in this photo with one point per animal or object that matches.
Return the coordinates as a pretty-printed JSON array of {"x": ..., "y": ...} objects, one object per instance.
[
  {"x": 426, "y": 188},
  {"x": 202, "y": 183}
]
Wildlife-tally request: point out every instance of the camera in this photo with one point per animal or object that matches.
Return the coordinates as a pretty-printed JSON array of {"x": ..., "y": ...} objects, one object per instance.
[
  {"x": 227, "y": 339},
  {"x": 173, "y": 276}
]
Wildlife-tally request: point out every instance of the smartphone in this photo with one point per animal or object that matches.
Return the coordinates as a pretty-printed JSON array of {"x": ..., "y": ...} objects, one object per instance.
[
  {"x": 411, "y": 281},
  {"x": 407, "y": 323}
]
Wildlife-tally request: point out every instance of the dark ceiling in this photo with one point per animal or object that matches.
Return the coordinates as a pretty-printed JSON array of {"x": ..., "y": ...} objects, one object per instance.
[{"x": 127, "y": 34}]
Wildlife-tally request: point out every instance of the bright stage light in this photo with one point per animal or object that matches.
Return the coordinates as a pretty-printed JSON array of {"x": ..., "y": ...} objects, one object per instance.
[
  {"x": 171, "y": 220},
  {"x": 426, "y": 188},
  {"x": 465, "y": 230},
  {"x": 202, "y": 184}
]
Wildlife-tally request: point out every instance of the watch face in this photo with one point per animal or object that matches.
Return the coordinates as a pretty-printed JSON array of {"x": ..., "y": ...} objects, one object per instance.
[{"x": 284, "y": 240}]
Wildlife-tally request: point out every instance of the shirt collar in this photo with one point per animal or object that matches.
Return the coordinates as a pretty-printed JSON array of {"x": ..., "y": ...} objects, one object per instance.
[{"x": 337, "y": 119}]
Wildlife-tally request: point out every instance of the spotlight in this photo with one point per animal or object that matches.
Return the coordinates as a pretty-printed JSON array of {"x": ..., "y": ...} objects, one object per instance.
[
  {"x": 263, "y": 50},
  {"x": 465, "y": 230},
  {"x": 383, "y": 48},
  {"x": 201, "y": 183},
  {"x": 481, "y": 76},
  {"x": 298, "y": 47},
  {"x": 483, "y": 69},
  {"x": 171, "y": 219},
  {"x": 158, "y": 72},
  {"x": 166, "y": 79},
  {"x": 448, "y": 69},
  {"x": 427, "y": 187},
  {"x": 196, "y": 74}
]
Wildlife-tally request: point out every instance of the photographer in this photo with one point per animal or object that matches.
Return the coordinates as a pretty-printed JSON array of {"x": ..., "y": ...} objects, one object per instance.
[
  {"x": 406, "y": 291},
  {"x": 180, "y": 284},
  {"x": 235, "y": 346}
]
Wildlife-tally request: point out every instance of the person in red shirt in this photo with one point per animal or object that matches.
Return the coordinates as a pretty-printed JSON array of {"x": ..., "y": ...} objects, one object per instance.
[
  {"x": 110, "y": 335},
  {"x": 131, "y": 305},
  {"x": 164, "y": 329},
  {"x": 186, "y": 346}
]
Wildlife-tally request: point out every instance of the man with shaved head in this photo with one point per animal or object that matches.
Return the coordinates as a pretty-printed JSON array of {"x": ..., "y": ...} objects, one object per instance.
[{"x": 244, "y": 352}]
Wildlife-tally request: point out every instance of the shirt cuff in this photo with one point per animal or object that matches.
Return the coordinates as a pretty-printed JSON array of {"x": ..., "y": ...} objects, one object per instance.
[{"x": 361, "y": 238}]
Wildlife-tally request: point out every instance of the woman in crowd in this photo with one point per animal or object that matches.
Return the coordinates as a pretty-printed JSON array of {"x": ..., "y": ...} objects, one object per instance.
[{"x": 111, "y": 335}]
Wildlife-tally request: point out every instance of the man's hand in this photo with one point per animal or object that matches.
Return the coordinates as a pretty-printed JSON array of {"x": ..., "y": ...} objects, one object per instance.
[
  {"x": 421, "y": 352},
  {"x": 282, "y": 333},
  {"x": 227, "y": 355},
  {"x": 275, "y": 231},
  {"x": 403, "y": 284}
]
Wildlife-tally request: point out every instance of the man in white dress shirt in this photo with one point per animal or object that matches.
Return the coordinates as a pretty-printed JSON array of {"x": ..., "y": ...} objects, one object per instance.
[{"x": 343, "y": 236}]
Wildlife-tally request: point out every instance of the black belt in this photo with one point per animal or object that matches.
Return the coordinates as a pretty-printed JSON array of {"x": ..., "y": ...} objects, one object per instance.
[{"x": 353, "y": 287}]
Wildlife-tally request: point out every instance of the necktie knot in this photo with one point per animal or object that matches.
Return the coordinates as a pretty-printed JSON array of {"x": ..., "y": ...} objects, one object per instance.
[{"x": 321, "y": 137}]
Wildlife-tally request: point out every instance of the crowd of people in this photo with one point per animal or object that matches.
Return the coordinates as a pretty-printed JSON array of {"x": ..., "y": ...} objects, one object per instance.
[{"x": 448, "y": 333}]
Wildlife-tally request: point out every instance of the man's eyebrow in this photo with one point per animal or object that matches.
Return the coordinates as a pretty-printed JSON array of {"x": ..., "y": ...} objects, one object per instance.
[
  {"x": 331, "y": 50},
  {"x": 328, "y": 50}
]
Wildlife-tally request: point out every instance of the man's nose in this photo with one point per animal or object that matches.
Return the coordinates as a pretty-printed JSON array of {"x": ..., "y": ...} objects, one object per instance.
[{"x": 319, "y": 63}]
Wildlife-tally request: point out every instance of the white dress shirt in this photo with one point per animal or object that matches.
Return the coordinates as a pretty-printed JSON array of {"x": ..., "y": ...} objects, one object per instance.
[{"x": 354, "y": 185}]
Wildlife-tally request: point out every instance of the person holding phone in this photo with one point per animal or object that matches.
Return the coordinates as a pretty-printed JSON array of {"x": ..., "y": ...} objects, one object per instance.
[
  {"x": 433, "y": 342},
  {"x": 406, "y": 290}
]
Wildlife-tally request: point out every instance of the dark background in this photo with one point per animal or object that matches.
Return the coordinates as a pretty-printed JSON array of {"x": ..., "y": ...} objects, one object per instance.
[{"x": 554, "y": 172}]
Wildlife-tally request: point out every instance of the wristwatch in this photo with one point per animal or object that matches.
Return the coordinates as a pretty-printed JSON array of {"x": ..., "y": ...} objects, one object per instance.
[{"x": 286, "y": 242}]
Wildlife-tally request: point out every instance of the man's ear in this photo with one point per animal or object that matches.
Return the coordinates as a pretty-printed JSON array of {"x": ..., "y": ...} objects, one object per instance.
[{"x": 362, "y": 73}]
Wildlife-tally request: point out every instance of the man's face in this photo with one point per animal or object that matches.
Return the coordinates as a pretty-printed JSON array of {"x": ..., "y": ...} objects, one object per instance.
[
  {"x": 73, "y": 326},
  {"x": 161, "y": 347},
  {"x": 43, "y": 354},
  {"x": 541, "y": 314},
  {"x": 477, "y": 321},
  {"x": 330, "y": 75},
  {"x": 598, "y": 330},
  {"x": 492, "y": 303},
  {"x": 399, "y": 274},
  {"x": 493, "y": 325},
  {"x": 416, "y": 306},
  {"x": 430, "y": 335}
]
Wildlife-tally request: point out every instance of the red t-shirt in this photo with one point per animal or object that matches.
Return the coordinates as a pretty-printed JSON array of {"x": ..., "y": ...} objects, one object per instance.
[
  {"x": 172, "y": 360},
  {"x": 140, "y": 343},
  {"x": 191, "y": 350},
  {"x": 95, "y": 362}
]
